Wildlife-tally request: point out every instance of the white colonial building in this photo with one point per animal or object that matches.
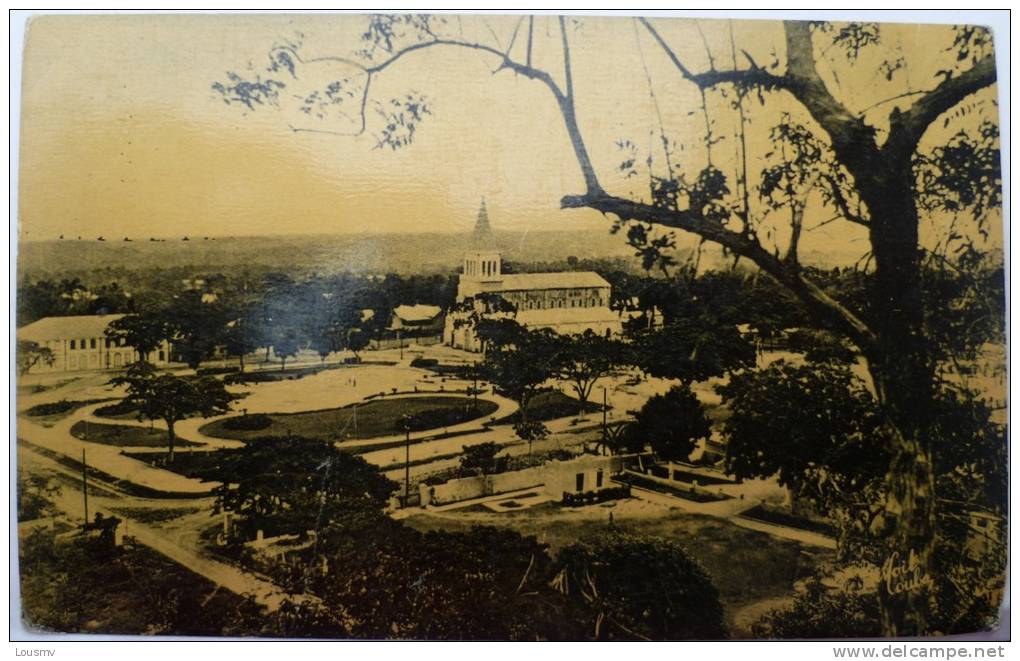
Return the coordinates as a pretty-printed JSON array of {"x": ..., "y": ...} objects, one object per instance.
[
  {"x": 567, "y": 302},
  {"x": 79, "y": 343}
]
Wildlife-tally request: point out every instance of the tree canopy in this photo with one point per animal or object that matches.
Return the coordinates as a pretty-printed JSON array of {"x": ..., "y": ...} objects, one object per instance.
[
  {"x": 159, "y": 395},
  {"x": 828, "y": 124}
]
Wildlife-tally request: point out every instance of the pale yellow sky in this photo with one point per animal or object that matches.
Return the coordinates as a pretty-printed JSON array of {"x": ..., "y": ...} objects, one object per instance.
[{"x": 123, "y": 135}]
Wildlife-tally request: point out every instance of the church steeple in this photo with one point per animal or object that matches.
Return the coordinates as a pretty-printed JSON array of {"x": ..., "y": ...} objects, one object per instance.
[{"x": 483, "y": 237}]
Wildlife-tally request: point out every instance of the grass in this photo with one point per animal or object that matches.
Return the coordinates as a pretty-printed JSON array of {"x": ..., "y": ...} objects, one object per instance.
[
  {"x": 72, "y": 586},
  {"x": 99, "y": 481},
  {"x": 124, "y": 435},
  {"x": 51, "y": 412},
  {"x": 121, "y": 410},
  {"x": 376, "y": 418},
  {"x": 746, "y": 566},
  {"x": 43, "y": 387},
  {"x": 63, "y": 406},
  {"x": 550, "y": 405},
  {"x": 768, "y": 515},
  {"x": 204, "y": 466}
]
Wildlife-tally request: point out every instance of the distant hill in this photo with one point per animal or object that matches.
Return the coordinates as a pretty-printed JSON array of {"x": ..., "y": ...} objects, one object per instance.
[
  {"x": 404, "y": 254},
  {"x": 380, "y": 253}
]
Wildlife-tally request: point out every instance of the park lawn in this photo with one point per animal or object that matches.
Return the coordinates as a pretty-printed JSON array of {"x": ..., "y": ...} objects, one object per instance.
[
  {"x": 120, "y": 410},
  {"x": 380, "y": 417},
  {"x": 746, "y": 566},
  {"x": 553, "y": 404},
  {"x": 124, "y": 435},
  {"x": 71, "y": 586},
  {"x": 50, "y": 412},
  {"x": 205, "y": 466}
]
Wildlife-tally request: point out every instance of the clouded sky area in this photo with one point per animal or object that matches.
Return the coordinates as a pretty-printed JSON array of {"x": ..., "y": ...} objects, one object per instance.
[{"x": 124, "y": 135}]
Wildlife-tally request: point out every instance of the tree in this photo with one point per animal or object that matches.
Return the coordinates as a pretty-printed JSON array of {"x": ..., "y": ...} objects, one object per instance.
[
  {"x": 487, "y": 583},
  {"x": 287, "y": 341},
  {"x": 820, "y": 612},
  {"x": 480, "y": 457},
  {"x": 819, "y": 430},
  {"x": 240, "y": 334},
  {"x": 31, "y": 354},
  {"x": 519, "y": 361},
  {"x": 837, "y": 465},
  {"x": 197, "y": 325},
  {"x": 584, "y": 359},
  {"x": 290, "y": 485},
  {"x": 640, "y": 588},
  {"x": 671, "y": 423},
  {"x": 357, "y": 340},
  {"x": 819, "y": 346},
  {"x": 692, "y": 350},
  {"x": 144, "y": 331},
  {"x": 873, "y": 166},
  {"x": 163, "y": 396}
]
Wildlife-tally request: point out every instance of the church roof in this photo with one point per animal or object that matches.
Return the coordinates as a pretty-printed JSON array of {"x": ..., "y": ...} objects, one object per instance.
[
  {"x": 483, "y": 237},
  {"x": 62, "y": 328},
  {"x": 560, "y": 280}
]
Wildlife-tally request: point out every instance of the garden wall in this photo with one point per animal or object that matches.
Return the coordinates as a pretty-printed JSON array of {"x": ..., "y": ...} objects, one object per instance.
[{"x": 556, "y": 477}]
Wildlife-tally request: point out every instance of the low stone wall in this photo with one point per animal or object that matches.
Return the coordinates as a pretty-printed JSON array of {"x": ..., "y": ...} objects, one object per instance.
[
  {"x": 554, "y": 477},
  {"x": 466, "y": 488}
]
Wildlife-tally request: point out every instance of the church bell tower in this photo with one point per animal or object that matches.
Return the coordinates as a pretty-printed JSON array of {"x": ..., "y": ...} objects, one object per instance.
[{"x": 482, "y": 263}]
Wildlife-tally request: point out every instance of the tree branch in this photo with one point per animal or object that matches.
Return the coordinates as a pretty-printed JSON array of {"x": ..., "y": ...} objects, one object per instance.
[
  {"x": 753, "y": 77},
  {"x": 842, "y": 204},
  {"x": 826, "y": 307},
  {"x": 853, "y": 141},
  {"x": 915, "y": 121}
]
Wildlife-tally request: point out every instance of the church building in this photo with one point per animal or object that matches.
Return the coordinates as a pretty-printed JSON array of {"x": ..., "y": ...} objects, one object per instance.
[{"x": 567, "y": 302}]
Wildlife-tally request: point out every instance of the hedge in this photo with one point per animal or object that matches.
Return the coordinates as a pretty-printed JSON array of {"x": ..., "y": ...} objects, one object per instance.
[{"x": 592, "y": 497}]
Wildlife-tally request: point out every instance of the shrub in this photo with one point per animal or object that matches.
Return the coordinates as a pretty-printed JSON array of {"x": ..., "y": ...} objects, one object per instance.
[
  {"x": 646, "y": 587},
  {"x": 214, "y": 371},
  {"x": 592, "y": 497},
  {"x": 424, "y": 362},
  {"x": 436, "y": 418},
  {"x": 52, "y": 408},
  {"x": 253, "y": 422},
  {"x": 121, "y": 408}
]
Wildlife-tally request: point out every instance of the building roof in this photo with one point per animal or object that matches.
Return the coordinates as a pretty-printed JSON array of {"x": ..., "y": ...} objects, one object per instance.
[
  {"x": 561, "y": 280},
  {"x": 482, "y": 238},
  {"x": 62, "y": 328},
  {"x": 567, "y": 316},
  {"x": 417, "y": 313}
]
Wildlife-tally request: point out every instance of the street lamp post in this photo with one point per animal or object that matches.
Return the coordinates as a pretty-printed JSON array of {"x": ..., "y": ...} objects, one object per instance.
[
  {"x": 407, "y": 460},
  {"x": 85, "y": 487},
  {"x": 605, "y": 429}
]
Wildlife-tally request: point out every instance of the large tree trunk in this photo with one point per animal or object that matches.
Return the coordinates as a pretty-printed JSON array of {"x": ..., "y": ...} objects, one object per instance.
[{"x": 902, "y": 369}]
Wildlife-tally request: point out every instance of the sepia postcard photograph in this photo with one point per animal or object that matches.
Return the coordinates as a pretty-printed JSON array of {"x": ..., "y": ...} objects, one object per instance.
[{"x": 515, "y": 327}]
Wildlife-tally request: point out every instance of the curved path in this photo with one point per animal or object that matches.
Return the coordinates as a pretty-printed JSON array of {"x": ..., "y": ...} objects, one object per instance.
[{"x": 106, "y": 458}]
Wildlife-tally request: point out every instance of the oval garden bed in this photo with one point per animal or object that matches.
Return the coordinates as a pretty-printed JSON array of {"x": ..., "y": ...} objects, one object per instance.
[
  {"x": 380, "y": 417},
  {"x": 127, "y": 436}
]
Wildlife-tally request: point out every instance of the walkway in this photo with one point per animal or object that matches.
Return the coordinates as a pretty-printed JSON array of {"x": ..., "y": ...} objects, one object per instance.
[
  {"x": 106, "y": 458},
  {"x": 238, "y": 581}
]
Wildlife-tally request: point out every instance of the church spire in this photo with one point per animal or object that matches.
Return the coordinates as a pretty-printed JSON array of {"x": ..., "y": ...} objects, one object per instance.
[{"x": 483, "y": 237}]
